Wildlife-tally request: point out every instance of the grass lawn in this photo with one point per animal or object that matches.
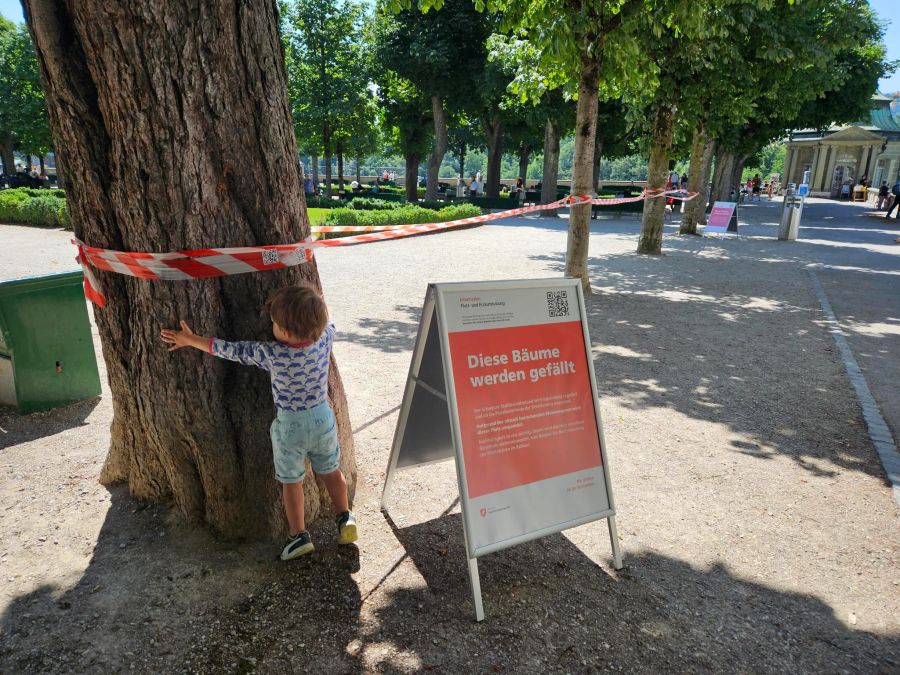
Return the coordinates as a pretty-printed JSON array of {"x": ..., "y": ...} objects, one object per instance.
[{"x": 316, "y": 216}]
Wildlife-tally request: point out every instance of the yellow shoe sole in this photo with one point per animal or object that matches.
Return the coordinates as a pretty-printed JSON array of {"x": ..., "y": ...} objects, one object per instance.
[{"x": 348, "y": 534}]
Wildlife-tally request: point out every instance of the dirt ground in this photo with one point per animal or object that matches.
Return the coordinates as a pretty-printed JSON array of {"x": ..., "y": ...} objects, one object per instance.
[{"x": 758, "y": 529}]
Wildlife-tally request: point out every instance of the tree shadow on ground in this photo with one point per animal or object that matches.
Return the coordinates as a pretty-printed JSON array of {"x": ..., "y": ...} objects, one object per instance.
[
  {"x": 18, "y": 428},
  {"x": 550, "y": 607},
  {"x": 173, "y": 599},
  {"x": 386, "y": 335},
  {"x": 158, "y": 596},
  {"x": 747, "y": 353}
]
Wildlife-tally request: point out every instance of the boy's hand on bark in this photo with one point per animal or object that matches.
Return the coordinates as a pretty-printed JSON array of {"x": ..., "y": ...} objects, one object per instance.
[{"x": 178, "y": 338}]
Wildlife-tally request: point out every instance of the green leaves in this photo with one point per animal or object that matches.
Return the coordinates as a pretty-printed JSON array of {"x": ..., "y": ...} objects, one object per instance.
[{"x": 22, "y": 111}]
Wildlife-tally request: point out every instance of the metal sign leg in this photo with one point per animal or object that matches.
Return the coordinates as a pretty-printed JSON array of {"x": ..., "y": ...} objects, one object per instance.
[
  {"x": 475, "y": 583},
  {"x": 614, "y": 541}
]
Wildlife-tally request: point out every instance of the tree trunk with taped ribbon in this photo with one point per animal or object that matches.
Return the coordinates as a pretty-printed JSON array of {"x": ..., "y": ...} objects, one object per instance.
[
  {"x": 183, "y": 148},
  {"x": 583, "y": 164},
  {"x": 438, "y": 150},
  {"x": 650, "y": 240},
  {"x": 550, "y": 173}
]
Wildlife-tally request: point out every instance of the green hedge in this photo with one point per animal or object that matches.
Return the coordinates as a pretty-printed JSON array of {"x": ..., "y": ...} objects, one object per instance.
[
  {"x": 34, "y": 207},
  {"x": 404, "y": 215}
]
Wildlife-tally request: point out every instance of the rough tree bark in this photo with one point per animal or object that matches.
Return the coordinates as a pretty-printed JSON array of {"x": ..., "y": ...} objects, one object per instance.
[
  {"x": 411, "y": 178},
  {"x": 550, "y": 173},
  {"x": 6, "y": 153},
  {"x": 650, "y": 240},
  {"x": 705, "y": 190},
  {"x": 701, "y": 155},
  {"x": 171, "y": 149},
  {"x": 583, "y": 165},
  {"x": 724, "y": 170},
  {"x": 737, "y": 170},
  {"x": 493, "y": 132},
  {"x": 438, "y": 150}
]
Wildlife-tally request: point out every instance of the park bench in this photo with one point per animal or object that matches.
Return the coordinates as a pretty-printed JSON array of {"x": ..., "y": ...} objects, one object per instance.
[{"x": 488, "y": 203}]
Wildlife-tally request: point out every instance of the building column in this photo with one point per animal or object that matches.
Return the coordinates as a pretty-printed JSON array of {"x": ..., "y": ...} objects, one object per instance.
[
  {"x": 864, "y": 162},
  {"x": 829, "y": 173},
  {"x": 820, "y": 169},
  {"x": 788, "y": 158},
  {"x": 814, "y": 166}
]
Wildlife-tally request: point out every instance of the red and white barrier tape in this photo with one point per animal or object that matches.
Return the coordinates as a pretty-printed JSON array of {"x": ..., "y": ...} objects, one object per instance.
[{"x": 219, "y": 262}]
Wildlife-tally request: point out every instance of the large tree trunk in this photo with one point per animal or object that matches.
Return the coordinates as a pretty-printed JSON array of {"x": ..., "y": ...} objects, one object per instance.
[
  {"x": 493, "y": 132},
  {"x": 439, "y": 149},
  {"x": 705, "y": 187},
  {"x": 41, "y": 160},
  {"x": 550, "y": 172},
  {"x": 170, "y": 149},
  {"x": 6, "y": 153},
  {"x": 524, "y": 157},
  {"x": 650, "y": 240},
  {"x": 722, "y": 180},
  {"x": 411, "y": 178},
  {"x": 315, "y": 172},
  {"x": 701, "y": 154},
  {"x": 583, "y": 167},
  {"x": 359, "y": 171},
  {"x": 737, "y": 170}
]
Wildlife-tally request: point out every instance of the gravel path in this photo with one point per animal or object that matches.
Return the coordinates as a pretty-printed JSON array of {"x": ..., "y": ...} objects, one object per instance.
[{"x": 758, "y": 531}]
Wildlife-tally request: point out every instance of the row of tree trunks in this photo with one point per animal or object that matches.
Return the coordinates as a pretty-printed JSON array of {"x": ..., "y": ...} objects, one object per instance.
[
  {"x": 170, "y": 149},
  {"x": 583, "y": 163},
  {"x": 493, "y": 131},
  {"x": 438, "y": 150},
  {"x": 650, "y": 240},
  {"x": 551, "y": 165},
  {"x": 411, "y": 178},
  {"x": 6, "y": 153}
]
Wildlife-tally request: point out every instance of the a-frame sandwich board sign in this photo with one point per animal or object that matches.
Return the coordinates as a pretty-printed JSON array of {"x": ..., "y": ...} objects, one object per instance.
[{"x": 502, "y": 380}]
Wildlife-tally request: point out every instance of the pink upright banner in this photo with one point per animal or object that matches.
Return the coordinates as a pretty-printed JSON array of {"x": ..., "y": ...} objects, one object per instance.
[{"x": 719, "y": 217}]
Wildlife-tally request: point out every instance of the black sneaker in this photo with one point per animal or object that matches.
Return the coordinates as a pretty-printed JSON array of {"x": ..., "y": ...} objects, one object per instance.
[
  {"x": 299, "y": 544},
  {"x": 346, "y": 525}
]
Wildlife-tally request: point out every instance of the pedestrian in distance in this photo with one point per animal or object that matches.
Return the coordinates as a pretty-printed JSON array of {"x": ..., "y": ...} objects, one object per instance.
[
  {"x": 474, "y": 186},
  {"x": 895, "y": 204},
  {"x": 305, "y": 426},
  {"x": 883, "y": 195}
]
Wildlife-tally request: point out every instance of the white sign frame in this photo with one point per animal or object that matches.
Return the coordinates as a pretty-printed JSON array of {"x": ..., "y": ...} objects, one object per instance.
[{"x": 434, "y": 317}]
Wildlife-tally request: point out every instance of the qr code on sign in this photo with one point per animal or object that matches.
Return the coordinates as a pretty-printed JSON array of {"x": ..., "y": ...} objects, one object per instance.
[
  {"x": 270, "y": 256},
  {"x": 557, "y": 303}
]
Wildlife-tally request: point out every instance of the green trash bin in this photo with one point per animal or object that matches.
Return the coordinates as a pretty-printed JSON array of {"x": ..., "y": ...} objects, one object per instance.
[{"x": 46, "y": 351}]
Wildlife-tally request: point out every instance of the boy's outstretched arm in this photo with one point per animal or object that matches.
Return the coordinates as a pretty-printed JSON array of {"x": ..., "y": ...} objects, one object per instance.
[{"x": 185, "y": 338}]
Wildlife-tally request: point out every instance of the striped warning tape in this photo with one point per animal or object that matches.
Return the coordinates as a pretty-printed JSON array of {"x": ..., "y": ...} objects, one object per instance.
[{"x": 217, "y": 262}]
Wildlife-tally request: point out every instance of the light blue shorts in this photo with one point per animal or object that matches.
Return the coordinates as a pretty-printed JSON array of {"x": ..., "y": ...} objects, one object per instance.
[{"x": 298, "y": 434}]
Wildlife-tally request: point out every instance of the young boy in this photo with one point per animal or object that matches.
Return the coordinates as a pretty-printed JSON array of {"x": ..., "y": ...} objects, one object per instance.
[{"x": 305, "y": 426}]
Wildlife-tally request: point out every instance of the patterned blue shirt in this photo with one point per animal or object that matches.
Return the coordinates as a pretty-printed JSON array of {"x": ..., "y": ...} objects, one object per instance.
[{"x": 299, "y": 372}]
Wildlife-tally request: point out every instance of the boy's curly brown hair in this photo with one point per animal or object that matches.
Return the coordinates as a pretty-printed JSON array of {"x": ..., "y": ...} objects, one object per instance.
[{"x": 299, "y": 310}]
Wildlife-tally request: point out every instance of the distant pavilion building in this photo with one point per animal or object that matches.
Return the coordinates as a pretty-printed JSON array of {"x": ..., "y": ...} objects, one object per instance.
[{"x": 841, "y": 156}]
